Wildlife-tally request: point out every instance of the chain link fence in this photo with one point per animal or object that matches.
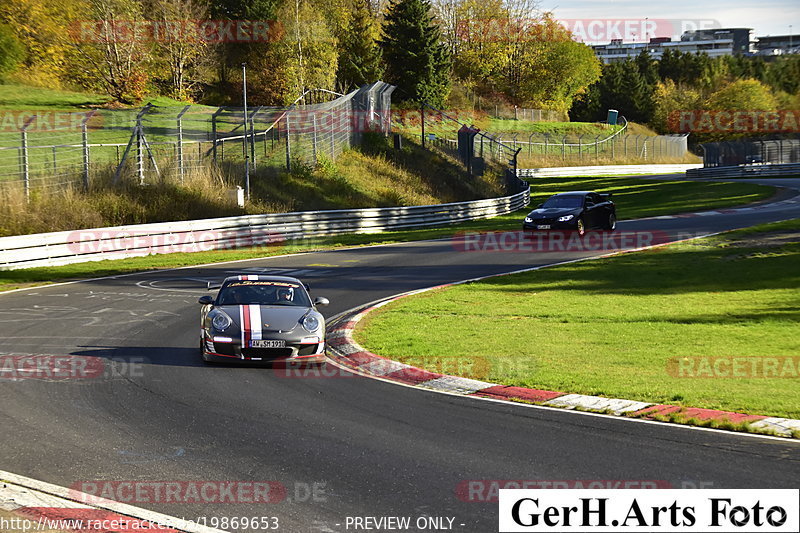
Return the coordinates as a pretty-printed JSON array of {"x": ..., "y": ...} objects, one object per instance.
[
  {"x": 752, "y": 151},
  {"x": 479, "y": 151},
  {"x": 47, "y": 150},
  {"x": 620, "y": 147}
]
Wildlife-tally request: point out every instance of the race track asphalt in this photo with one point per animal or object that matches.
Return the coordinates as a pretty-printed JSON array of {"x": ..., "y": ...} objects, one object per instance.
[{"x": 368, "y": 448}]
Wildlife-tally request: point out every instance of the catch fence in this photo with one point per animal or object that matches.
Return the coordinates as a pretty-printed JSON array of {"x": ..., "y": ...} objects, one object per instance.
[
  {"x": 46, "y": 149},
  {"x": 751, "y": 151}
]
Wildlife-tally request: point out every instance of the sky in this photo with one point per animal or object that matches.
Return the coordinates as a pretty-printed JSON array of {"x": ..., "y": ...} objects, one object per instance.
[{"x": 766, "y": 17}]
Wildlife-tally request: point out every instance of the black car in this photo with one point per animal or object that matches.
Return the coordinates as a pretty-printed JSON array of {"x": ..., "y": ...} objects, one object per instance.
[
  {"x": 262, "y": 318},
  {"x": 576, "y": 211}
]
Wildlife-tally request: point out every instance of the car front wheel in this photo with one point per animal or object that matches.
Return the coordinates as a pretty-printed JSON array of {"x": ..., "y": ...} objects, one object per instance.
[
  {"x": 611, "y": 225},
  {"x": 581, "y": 227}
]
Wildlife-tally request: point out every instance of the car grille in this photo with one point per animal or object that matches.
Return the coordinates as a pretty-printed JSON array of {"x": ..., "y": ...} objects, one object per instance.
[
  {"x": 543, "y": 221},
  {"x": 266, "y": 353}
]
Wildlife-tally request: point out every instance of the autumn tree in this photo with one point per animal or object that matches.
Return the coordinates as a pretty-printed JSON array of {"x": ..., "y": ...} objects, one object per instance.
[
  {"x": 112, "y": 51},
  {"x": 553, "y": 68},
  {"x": 43, "y": 29},
  {"x": 181, "y": 52}
]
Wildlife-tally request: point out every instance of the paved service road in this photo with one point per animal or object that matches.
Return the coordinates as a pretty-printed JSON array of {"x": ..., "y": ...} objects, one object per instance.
[{"x": 342, "y": 446}]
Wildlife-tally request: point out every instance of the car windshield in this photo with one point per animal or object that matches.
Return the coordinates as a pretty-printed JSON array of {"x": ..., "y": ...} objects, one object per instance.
[
  {"x": 563, "y": 202},
  {"x": 263, "y": 293}
]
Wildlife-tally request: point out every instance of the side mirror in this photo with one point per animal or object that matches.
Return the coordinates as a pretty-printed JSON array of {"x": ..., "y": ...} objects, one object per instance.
[
  {"x": 319, "y": 300},
  {"x": 206, "y": 300},
  {"x": 539, "y": 206}
]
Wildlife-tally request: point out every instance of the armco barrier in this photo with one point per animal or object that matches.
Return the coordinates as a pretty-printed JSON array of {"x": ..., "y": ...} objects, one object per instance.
[
  {"x": 745, "y": 171},
  {"x": 603, "y": 170},
  {"x": 67, "y": 247}
]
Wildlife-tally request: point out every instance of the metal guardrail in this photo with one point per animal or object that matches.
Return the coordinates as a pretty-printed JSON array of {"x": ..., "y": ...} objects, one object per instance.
[
  {"x": 603, "y": 170},
  {"x": 745, "y": 171},
  {"x": 68, "y": 247}
]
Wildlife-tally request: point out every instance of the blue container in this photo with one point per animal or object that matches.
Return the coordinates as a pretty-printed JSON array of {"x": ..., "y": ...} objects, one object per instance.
[{"x": 612, "y": 117}]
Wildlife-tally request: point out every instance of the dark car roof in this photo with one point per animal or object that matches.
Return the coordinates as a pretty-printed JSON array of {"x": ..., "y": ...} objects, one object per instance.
[
  {"x": 575, "y": 193},
  {"x": 261, "y": 277}
]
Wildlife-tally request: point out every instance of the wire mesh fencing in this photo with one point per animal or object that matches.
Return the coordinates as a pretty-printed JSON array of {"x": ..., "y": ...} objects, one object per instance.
[
  {"x": 542, "y": 149},
  {"x": 751, "y": 151},
  {"x": 479, "y": 151},
  {"x": 38, "y": 150}
]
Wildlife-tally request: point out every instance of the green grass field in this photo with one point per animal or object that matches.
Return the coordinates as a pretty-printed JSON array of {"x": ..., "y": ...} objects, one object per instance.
[
  {"x": 635, "y": 198},
  {"x": 617, "y": 327}
]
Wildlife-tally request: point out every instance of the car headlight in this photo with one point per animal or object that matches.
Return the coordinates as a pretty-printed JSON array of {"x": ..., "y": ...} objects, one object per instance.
[
  {"x": 566, "y": 218},
  {"x": 528, "y": 219},
  {"x": 221, "y": 321},
  {"x": 311, "y": 323}
]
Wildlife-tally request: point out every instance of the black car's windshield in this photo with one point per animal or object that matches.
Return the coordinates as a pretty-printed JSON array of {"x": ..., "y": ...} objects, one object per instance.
[
  {"x": 263, "y": 293},
  {"x": 563, "y": 202}
]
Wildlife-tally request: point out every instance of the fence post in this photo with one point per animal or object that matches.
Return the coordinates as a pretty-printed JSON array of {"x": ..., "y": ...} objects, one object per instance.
[
  {"x": 314, "y": 135},
  {"x": 214, "y": 134},
  {"x": 180, "y": 141},
  {"x": 55, "y": 161},
  {"x": 334, "y": 125},
  {"x": 613, "y": 155},
  {"x": 597, "y": 148},
  {"x": 85, "y": 141},
  {"x": 422, "y": 121},
  {"x": 580, "y": 147},
  {"x": 546, "y": 147},
  {"x": 564, "y": 148},
  {"x": 26, "y": 177},
  {"x": 288, "y": 145}
]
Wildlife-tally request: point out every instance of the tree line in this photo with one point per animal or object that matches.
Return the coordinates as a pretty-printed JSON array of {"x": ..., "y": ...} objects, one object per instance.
[
  {"x": 502, "y": 50},
  {"x": 655, "y": 92}
]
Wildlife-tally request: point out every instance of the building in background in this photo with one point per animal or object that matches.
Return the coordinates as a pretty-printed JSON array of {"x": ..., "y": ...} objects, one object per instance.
[
  {"x": 714, "y": 42},
  {"x": 775, "y": 45}
]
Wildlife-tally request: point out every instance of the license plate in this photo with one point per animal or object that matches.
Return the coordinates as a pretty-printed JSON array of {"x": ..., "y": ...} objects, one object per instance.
[
  {"x": 267, "y": 344},
  {"x": 543, "y": 226}
]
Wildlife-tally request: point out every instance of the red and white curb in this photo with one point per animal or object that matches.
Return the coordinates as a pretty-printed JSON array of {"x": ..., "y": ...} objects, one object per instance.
[
  {"x": 48, "y": 507},
  {"x": 345, "y": 351}
]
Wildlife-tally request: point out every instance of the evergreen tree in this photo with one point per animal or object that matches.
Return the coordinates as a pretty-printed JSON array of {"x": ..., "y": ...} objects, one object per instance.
[
  {"x": 416, "y": 60},
  {"x": 360, "y": 60}
]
